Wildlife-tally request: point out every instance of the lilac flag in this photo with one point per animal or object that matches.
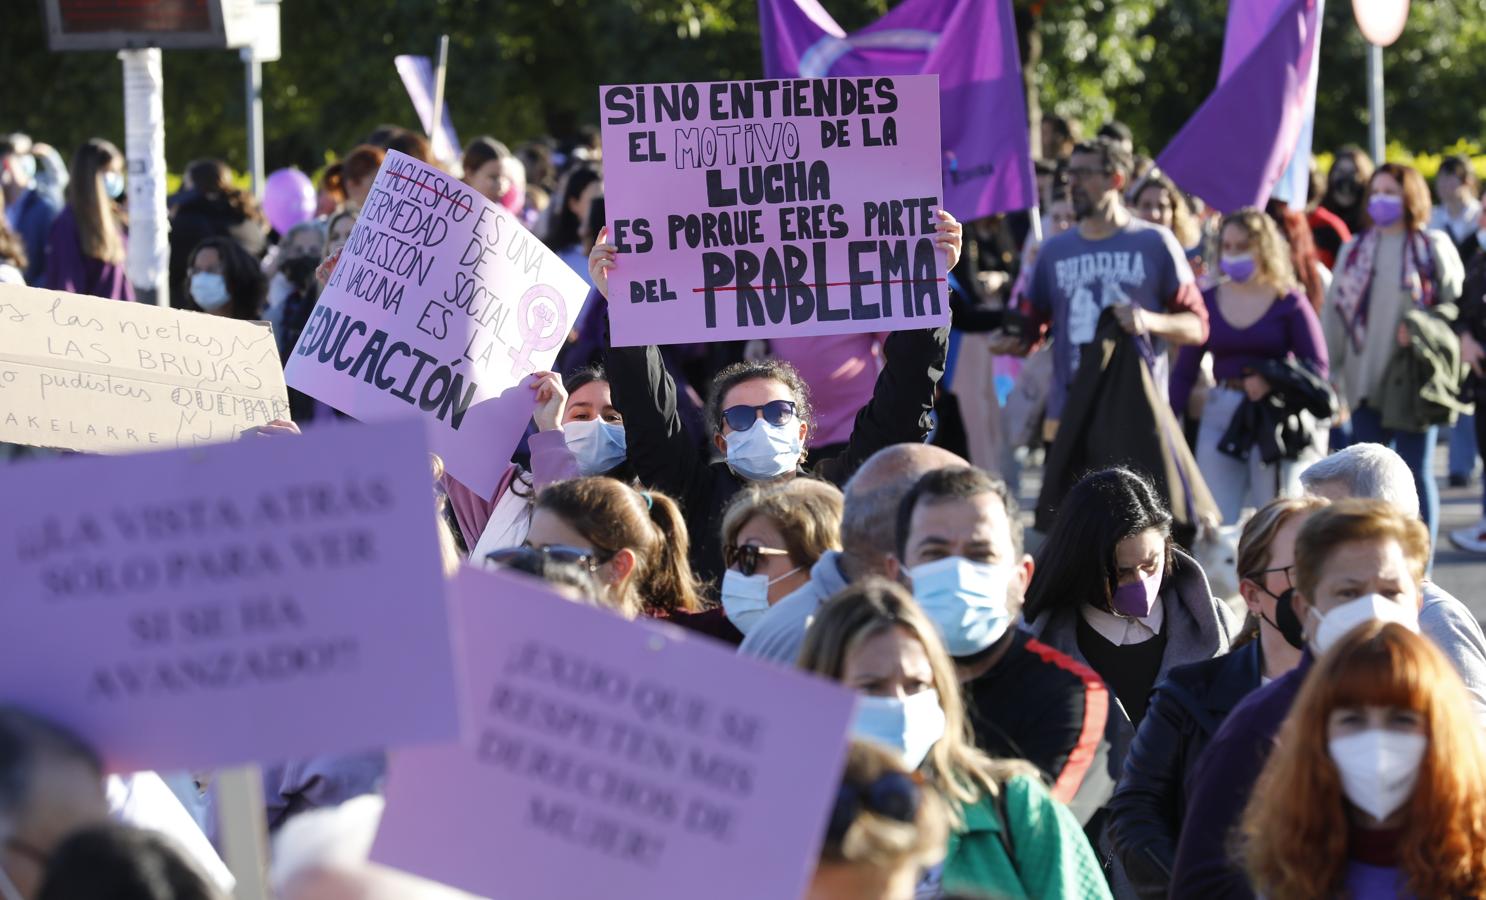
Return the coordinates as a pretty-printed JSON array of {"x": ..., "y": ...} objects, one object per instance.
[
  {"x": 1248, "y": 22},
  {"x": 417, "y": 77},
  {"x": 1232, "y": 152},
  {"x": 970, "y": 44}
]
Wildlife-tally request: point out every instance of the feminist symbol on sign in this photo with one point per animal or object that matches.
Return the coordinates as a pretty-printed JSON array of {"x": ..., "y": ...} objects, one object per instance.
[{"x": 540, "y": 326}]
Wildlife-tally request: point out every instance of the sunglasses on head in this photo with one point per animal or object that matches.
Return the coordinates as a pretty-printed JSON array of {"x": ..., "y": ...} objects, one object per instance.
[
  {"x": 745, "y": 557},
  {"x": 775, "y": 412},
  {"x": 534, "y": 559},
  {"x": 894, "y": 795}
]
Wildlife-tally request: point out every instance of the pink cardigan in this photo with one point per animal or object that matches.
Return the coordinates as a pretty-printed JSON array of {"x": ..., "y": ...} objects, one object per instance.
[{"x": 551, "y": 461}]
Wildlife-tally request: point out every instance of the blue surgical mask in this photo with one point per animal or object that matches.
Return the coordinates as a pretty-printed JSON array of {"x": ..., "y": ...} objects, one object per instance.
[
  {"x": 113, "y": 184},
  {"x": 598, "y": 445},
  {"x": 209, "y": 290},
  {"x": 911, "y": 727},
  {"x": 745, "y": 598},
  {"x": 764, "y": 451},
  {"x": 966, "y": 600}
]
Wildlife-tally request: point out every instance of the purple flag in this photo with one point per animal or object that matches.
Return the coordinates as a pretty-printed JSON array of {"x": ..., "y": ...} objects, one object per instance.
[
  {"x": 417, "y": 76},
  {"x": 1232, "y": 152},
  {"x": 970, "y": 44}
]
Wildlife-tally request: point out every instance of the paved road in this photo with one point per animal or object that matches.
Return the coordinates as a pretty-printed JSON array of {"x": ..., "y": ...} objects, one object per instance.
[{"x": 1462, "y": 574}]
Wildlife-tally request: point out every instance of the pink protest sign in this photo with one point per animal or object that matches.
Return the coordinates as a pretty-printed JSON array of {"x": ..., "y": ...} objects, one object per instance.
[
  {"x": 782, "y": 208},
  {"x": 261, "y": 600},
  {"x": 444, "y": 303},
  {"x": 606, "y": 758}
]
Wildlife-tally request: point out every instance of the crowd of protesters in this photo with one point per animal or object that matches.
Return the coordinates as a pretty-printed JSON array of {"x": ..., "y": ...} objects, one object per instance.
[{"x": 1059, "y": 703}]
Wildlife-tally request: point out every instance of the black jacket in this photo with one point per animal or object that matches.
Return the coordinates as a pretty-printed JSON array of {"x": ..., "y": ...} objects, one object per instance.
[
  {"x": 666, "y": 459},
  {"x": 1282, "y": 424},
  {"x": 1041, "y": 705},
  {"x": 196, "y": 218},
  {"x": 1116, "y": 414},
  {"x": 1146, "y": 812}
]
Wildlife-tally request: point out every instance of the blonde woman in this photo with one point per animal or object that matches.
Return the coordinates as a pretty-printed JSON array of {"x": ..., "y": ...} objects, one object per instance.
[
  {"x": 772, "y": 536},
  {"x": 1009, "y": 838},
  {"x": 1270, "y": 362},
  {"x": 85, "y": 250}
]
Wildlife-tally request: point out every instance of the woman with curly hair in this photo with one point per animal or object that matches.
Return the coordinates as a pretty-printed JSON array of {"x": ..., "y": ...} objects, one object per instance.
[
  {"x": 1378, "y": 786},
  {"x": 1263, "y": 332}
]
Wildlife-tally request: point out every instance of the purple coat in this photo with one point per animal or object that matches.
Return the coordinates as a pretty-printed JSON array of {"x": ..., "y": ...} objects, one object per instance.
[
  {"x": 69, "y": 269},
  {"x": 1219, "y": 787}
]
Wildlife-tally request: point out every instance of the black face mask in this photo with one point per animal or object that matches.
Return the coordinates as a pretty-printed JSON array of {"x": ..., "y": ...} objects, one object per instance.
[{"x": 1286, "y": 622}]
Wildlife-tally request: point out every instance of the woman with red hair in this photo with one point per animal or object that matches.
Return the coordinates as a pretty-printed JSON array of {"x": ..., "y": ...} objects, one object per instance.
[{"x": 1378, "y": 786}]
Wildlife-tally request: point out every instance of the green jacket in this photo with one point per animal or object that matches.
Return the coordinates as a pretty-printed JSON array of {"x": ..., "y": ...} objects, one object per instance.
[
  {"x": 1421, "y": 386},
  {"x": 1053, "y": 858}
]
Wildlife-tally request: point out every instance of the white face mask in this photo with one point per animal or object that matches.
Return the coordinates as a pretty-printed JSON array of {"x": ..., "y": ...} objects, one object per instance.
[
  {"x": 598, "y": 445},
  {"x": 911, "y": 727},
  {"x": 1378, "y": 768},
  {"x": 966, "y": 600},
  {"x": 209, "y": 290},
  {"x": 764, "y": 451},
  {"x": 745, "y": 598},
  {"x": 1327, "y": 629}
]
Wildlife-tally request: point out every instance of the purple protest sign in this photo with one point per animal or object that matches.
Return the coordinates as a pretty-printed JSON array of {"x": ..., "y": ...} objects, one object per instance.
[
  {"x": 442, "y": 302},
  {"x": 262, "y": 600},
  {"x": 761, "y": 209},
  {"x": 606, "y": 758},
  {"x": 970, "y": 44}
]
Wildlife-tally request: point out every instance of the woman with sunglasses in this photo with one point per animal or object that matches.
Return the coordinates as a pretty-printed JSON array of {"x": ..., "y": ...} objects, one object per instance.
[
  {"x": 1008, "y": 837},
  {"x": 1145, "y": 814},
  {"x": 771, "y": 535},
  {"x": 633, "y": 542},
  {"x": 758, "y": 412},
  {"x": 1377, "y": 785}
]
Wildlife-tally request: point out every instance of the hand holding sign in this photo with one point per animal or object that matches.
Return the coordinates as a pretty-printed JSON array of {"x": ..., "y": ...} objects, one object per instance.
[
  {"x": 441, "y": 302},
  {"x": 760, "y": 209}
]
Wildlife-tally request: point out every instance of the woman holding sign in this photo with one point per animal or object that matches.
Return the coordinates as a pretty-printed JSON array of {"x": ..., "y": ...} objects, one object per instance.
[
  {"x": 1009, "y": 837},
  {"x": 759, "y": 414},
  {"x": 579, "y": 432}
]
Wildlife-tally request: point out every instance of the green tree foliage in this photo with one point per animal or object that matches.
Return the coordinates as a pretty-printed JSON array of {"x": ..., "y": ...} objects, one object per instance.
[{"x": 518, "y": 70}]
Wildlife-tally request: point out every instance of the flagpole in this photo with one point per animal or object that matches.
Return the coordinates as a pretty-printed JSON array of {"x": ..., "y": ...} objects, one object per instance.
[
  {"x": 438, "y": 91},
  {"x": 1375, "y": 102}
]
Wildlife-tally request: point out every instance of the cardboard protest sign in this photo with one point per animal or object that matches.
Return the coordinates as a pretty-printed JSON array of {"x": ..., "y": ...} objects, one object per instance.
[
  {"x": 269, "y": 599},
  {"x": 442, "y": 302},
  {"x": 606, "y": 758},
  {"x": 782, "y": 208},
  {"x": 103, "y": 376}
]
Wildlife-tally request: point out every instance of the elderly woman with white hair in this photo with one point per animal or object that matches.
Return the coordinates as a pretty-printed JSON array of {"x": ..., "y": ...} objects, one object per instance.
[{"x": 1374, "y": 472}]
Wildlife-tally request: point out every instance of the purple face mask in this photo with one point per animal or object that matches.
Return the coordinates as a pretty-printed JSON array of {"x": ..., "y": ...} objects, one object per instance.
[
  {"x": 1385, "y": 209},
  {"x": 1136, "y": 598},
  {"x": 1239, "y": 267}
]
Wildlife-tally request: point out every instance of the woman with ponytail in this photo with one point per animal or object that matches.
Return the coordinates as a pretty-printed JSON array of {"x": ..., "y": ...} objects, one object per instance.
[
  {"x": 633, "y": 542},
  {"x": 85, "y": 250}
]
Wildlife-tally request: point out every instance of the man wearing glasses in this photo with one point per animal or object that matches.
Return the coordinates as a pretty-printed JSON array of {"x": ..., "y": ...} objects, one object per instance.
[{"x": 1111, "y": 260}]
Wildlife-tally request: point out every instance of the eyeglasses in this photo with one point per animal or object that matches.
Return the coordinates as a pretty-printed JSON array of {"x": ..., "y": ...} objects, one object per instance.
[
  {"x": 1258, "y": 578},
  {"x": 895, "y": 795},
  {"x": 745, "y": 557},
  {"x": 775, "y": 412},
  {"x": 534, "y": 559},
  {"x": 1082, "y": 173}
]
